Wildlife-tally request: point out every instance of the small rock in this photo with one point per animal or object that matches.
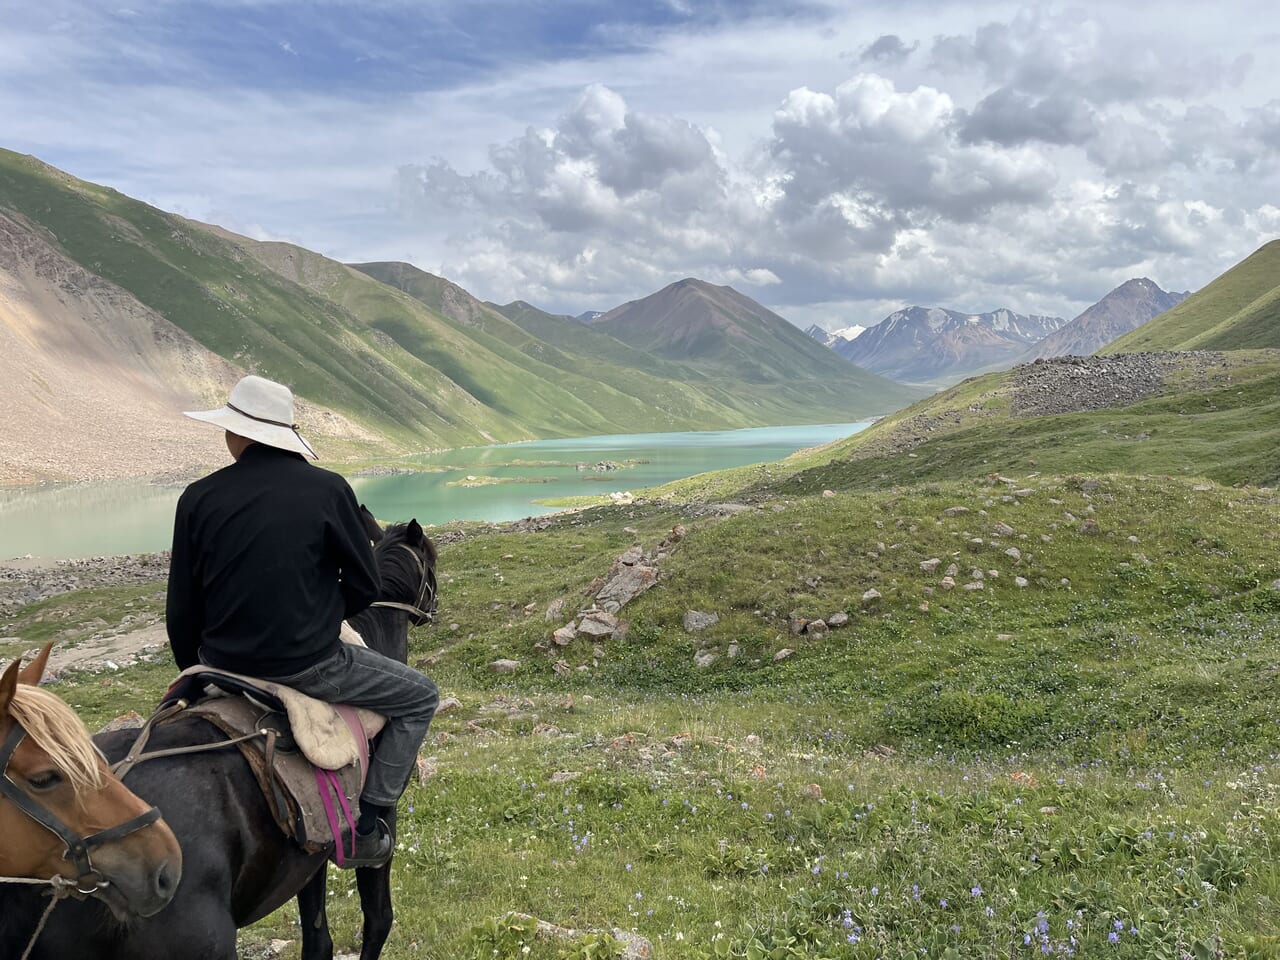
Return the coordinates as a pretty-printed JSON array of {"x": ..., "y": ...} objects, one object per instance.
[
  {"x": 564, "y": 636},
  {"x": 505, "y": 666},
  {"x": 555, "y": 609},
  {"x": 930, "y": 565},
  {"x": 696, "y": 620},
  {"x": 1013, "y": 552},
  {"x": 828, "y": 494},
  {"x": 1019, "y": 581},
  {"x": 953, "y": 570},
  {"x": 955, "y": 511},
  {"x": 734, "y": 650},
  {"x": 597, "y": 624},
  {"x": 448, "y": 705},
  {"x": 798, "y": 624},
  {"x": 782, "y": 654},
  {"x": 562, "y": 668},
  {"x": 871, "y": 596},
  {"x": 564, "y": 776},
  {"x": 1090, "y": 528},
  {"x": 1003, "y": 530},
  {"x": 705, "y": 659},
  {"x": 976, "y": 585},
  {"x": 947, "y": 583},
  {"x": 837, "y": 619},
  {"x": 816, "y": 627},
  {"x": 678, "y": 533}
]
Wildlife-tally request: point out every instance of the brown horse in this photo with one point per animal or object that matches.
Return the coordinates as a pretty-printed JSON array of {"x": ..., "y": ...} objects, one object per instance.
[{"x": 66, "y": 824}]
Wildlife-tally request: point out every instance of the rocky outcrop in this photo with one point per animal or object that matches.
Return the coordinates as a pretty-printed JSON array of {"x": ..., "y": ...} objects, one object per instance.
[{"x": 1073, "y": 384}]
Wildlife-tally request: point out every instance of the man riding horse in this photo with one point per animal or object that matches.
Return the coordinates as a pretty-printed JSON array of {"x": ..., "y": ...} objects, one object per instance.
[{"x": 270, "y": 555}]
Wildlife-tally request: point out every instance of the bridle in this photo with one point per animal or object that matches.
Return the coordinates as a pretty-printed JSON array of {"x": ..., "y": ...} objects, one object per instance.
[
  {"x": 423, "y": 609},
  {"x": 88, "y": 880}
]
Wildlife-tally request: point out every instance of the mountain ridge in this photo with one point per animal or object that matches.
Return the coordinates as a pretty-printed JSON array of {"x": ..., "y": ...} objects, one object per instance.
[
  {"x": 935, "y": 344},
  {"x": 1125, "y": 308}
]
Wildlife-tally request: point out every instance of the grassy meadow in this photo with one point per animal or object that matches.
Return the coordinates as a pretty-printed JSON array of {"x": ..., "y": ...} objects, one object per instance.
[{"x": 1071, "y": 752}]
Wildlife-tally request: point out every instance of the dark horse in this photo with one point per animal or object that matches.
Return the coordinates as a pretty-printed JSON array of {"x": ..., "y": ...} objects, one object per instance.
[{"x": 237, "y": 865}]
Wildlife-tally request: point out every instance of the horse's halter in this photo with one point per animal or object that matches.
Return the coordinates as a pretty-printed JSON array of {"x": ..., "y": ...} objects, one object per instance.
[
  {"x": 423, "y": 609},
  {"x": 88, "y": 880}
]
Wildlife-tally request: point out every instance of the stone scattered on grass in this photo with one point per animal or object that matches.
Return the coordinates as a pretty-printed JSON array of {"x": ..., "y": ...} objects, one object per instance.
[
  {"x": 975, "y": 585},
  {"x": 1020, "y": 581},
  {"x": 782, "y": 654},
  {"x": 930, "y": 565},
  {"x": 1003, "y": 530},
  {"x": 504, "y": 666},
  {"x": 597, "y": 624},
  {"x": 705, "y": 658},
  {"x": 837, "y": 620},
  {"x": 448, "y": 705},
  {"x": 696, "y": 620},
  {"x": 564, "y": 635},
  {"x": 871, "y": 596}
]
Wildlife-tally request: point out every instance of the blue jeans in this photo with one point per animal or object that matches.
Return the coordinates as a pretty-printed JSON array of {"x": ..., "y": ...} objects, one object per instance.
[{"x": 362, "y": 677}]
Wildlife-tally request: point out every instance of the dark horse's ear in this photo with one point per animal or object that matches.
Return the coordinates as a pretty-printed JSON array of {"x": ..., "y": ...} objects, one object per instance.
[
  {"x": 371, "y": 528},
  {"x": 414, "y": 532}
]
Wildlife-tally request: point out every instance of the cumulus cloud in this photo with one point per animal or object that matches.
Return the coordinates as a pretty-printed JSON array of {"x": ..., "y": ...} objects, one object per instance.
[{"x": 883, "y": 156}]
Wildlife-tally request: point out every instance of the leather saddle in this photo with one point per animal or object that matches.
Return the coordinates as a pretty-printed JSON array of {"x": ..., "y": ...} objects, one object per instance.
[{"x": 310, "y": 758}]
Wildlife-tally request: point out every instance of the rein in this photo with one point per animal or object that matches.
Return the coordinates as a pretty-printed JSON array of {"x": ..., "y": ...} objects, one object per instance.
[
  {"x": 423, "y": 608},
  {"x": 88, "y": 881}
]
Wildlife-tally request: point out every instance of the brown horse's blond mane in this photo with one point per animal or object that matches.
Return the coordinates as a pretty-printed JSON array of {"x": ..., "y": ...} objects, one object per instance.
[{"x": 61, "y": 734}]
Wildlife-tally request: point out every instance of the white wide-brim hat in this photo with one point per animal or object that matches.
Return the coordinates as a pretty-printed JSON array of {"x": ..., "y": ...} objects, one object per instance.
[{"x": 260, "y": 410}]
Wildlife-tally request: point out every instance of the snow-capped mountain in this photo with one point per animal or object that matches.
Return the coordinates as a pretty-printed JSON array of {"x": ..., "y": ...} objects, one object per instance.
[
  {"x": 933, "y": 344},
  {"x": 829, "y": 338}
]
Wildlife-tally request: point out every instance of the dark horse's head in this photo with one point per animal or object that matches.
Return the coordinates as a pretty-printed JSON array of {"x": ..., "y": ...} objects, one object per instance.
[{"x": 406, "y": 560}]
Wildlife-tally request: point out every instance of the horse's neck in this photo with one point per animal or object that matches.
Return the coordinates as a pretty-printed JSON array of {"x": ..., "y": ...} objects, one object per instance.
[
  {"x": 20, "y": 910},
  {"x": 385, "y": 631}
]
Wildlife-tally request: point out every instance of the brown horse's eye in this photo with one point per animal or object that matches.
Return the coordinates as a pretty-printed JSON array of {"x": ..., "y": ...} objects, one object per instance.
[{"x": 46, "y": 780}]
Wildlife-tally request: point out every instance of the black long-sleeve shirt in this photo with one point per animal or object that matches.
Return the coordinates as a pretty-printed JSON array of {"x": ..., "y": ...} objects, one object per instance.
[{"x": 269, "y": 557}]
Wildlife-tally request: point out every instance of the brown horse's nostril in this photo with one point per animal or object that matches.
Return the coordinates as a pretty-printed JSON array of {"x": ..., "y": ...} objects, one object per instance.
[{"x": 166, "y": 881}]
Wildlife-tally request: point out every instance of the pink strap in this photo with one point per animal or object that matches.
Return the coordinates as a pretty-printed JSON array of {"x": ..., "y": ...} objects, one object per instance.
[
  {"x": 326, "y": 780},
  {"x": 352, "y": 720}
]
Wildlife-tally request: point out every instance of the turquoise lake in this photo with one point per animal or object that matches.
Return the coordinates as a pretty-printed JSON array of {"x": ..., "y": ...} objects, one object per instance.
[{"x": 82, "y": 520}]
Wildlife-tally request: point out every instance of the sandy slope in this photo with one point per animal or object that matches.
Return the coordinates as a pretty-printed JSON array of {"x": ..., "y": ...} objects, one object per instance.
[{"x": 93, "y": 382}]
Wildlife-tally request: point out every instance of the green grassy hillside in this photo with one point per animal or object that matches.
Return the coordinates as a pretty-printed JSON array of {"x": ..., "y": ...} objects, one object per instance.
[
  {"x": 1240, "y": 310},
  {"x": 1079, "y": 756},
  {"x": 818, "y": 386},
  {"x": 651, "y": 395},
  {"x": 1220, "y": 421}
]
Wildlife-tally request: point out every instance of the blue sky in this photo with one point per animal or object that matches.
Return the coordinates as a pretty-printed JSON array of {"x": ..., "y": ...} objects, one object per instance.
[{"x": 834, "y": 161}]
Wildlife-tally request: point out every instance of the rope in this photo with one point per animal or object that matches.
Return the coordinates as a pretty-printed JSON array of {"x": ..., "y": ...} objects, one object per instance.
[{"x": 62, "y": 887}]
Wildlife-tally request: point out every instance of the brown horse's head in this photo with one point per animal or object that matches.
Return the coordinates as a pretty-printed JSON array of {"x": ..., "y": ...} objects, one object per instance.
[{"x": 58, "y": 767}]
